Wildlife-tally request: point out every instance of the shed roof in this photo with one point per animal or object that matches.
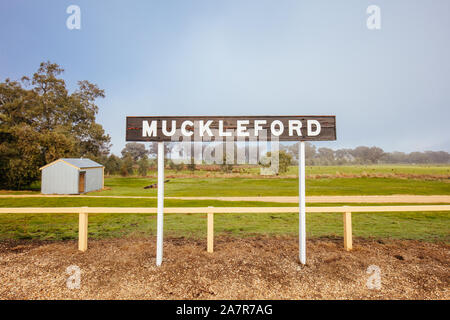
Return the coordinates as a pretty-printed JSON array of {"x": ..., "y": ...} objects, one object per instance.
[{"x": 79, "y": 163}]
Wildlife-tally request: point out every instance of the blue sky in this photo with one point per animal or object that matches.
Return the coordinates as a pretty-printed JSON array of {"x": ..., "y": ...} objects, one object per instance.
[{"x": 388, "y": 87}]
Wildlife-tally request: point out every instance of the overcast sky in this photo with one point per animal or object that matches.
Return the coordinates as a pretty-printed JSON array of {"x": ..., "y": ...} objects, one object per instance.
[{"x": 387, "y": 87}]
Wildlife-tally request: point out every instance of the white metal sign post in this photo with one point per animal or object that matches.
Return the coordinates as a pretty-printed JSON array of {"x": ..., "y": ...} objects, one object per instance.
[
  {"x": 160, "y": 215},
  {"x": 302, "y": 204}
]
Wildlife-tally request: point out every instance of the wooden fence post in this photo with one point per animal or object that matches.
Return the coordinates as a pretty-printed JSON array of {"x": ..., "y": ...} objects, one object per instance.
[
  {"x": 210, "y": 237},
  {"x": 82, "y": 230},
  {"x": 348, "y": 231}
]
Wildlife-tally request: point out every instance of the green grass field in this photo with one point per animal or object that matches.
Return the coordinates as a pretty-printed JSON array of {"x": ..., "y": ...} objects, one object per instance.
[
  {"x": 424, "y": 226},
  {"x": 216, "y": 187},
  {"x": 421, "y": 225},
  {"x": 395, "y": 182}
]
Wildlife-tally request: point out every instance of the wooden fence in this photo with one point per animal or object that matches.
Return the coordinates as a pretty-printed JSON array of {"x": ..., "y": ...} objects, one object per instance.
[{"x": 346, "y": 210}]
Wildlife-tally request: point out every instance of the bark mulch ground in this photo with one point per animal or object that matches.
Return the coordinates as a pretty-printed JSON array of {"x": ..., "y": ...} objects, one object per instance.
[{"x": 240, "y": 268}]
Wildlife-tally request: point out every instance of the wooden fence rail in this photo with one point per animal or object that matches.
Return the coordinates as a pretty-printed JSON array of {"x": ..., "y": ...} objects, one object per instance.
[{"x": 346, "y": 210}]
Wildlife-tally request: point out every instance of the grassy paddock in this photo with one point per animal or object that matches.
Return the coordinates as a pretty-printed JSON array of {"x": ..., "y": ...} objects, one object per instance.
[
  {"x": 216, "y": 187},
  {"x": 168, "y": 203},
  {"x": 420, "y": 225},
  {"x": 431, "y": 226},
  {"x": 199, "y": 184},
  {"x": 115, "y": 202}
]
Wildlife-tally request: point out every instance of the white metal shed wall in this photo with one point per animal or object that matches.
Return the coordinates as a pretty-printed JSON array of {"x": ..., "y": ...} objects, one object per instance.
[
  {"x": 59, "y": 178},
  {"x": 94, "y": 179}
]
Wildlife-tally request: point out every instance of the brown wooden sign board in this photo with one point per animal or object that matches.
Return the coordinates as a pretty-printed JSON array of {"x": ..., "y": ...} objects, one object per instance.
[{"x": 285, "y": 128}]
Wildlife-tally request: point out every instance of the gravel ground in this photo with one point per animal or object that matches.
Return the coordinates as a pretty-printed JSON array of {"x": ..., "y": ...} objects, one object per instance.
[{"x": 240, "y": 268}]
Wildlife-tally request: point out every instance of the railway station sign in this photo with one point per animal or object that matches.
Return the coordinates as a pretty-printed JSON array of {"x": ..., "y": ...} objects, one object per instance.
[{"x": 283, "y": 128}]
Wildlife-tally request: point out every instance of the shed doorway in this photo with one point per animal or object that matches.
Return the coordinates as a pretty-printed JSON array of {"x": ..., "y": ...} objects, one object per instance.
[{"x": 81, "y": 182}]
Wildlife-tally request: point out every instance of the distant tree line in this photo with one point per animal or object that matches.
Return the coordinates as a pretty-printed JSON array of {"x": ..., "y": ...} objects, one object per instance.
[
  {"x": 365, "y": 155},
  {"x": 136, "y": 159}
]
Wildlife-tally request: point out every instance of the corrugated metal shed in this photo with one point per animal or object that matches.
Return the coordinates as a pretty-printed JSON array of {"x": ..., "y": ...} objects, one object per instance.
[{"x": 72, "y": 176}]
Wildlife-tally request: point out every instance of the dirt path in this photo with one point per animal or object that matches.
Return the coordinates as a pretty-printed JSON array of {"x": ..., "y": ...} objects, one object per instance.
[
  {"x": 249, "y": 268},
  {"x": 310, "y": 199}
]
